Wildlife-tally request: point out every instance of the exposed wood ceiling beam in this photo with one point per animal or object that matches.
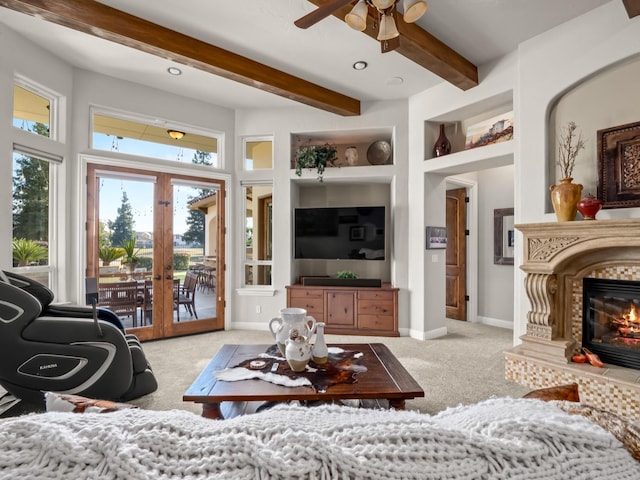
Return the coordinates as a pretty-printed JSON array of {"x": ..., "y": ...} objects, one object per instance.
[
  {"x": 424, "y": 49},
  {"x": 106, "y": 22},
  {"x": 633, "y": 7}
]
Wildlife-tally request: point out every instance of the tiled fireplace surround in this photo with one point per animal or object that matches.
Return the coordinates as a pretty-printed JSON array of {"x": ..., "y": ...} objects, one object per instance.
[{"x": 557, "y": 256}]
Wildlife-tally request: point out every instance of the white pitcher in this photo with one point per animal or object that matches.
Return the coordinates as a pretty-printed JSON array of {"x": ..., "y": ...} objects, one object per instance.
[{"x": 291, "y": 318}]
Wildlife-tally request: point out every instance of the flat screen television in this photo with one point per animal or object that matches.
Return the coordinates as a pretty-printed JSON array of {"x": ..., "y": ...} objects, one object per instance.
[{"x": 340, "y": 233}]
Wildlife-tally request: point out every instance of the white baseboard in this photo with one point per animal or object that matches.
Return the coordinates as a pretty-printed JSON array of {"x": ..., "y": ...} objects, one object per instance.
[
  {"x": 495, "y": 322},
  {"x": 429, "y": 335}
]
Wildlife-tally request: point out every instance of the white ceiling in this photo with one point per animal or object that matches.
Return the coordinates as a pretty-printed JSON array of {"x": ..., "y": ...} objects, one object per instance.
[{"x": 263, "y": 30}]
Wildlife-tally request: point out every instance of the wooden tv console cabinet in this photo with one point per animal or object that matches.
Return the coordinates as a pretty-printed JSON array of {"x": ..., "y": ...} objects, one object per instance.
[{"x": 349, "y": 310}]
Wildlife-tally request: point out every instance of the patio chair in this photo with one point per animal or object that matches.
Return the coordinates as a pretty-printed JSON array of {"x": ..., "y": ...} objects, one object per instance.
[
  {"x": 186, "y": 295},
  {"x": 146, "y": 307},
  {"x": 121, "y": 298}
]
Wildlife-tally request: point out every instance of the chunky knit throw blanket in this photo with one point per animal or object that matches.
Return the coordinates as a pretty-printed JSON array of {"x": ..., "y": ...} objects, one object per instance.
[{"x": 499, "y": 438}]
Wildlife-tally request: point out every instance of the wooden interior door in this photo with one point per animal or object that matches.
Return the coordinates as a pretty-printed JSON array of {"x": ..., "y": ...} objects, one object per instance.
[{"x": 456, "y": 269}]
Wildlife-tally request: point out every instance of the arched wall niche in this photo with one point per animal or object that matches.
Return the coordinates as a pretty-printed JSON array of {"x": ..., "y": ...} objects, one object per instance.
[{"x": 605, "y": 99}]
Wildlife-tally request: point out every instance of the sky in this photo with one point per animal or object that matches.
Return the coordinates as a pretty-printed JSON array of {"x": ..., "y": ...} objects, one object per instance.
[{"x": 140, "y": 193}]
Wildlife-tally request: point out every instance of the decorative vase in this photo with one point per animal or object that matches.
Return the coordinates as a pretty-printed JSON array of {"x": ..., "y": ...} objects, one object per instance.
[
  {"x": 290, "y": 319},
  {"x": 442, "y": 145},
  {"x": 319, "y": 352},
  {"x": 297, "y": 351},
  {"x": 351, "y": 155},
  {"x": 589, "y": 206},
  {"x": 565, "y": 197}
]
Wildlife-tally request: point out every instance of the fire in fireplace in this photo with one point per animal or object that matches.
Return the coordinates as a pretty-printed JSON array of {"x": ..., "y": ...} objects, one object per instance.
[{"x": 611, "y": 320}]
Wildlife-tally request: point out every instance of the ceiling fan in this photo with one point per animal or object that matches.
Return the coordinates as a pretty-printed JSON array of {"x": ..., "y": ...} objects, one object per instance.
[{"x": 383, "y": 12}]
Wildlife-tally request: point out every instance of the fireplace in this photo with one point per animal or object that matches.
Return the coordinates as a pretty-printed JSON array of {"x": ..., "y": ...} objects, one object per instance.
[
  {"x": 557, "y": 258},
  {"x": 611, "y": 320}
]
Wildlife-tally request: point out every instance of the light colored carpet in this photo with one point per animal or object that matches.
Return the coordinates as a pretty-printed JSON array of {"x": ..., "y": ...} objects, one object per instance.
[{"x": 464, "y": 367}]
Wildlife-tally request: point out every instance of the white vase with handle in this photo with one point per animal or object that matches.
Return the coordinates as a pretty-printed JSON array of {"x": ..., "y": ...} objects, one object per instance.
[{"x": 289, "y": 319}]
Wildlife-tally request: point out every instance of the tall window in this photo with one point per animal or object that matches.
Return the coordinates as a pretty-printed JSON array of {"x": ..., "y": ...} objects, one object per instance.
[
  {"x": 32, "y": 186},
  {"x": 258, "y": 246},
  {"x": 117, "y": 134}
]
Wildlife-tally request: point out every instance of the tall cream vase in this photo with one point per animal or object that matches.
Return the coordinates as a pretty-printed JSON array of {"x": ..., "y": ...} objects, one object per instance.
[{"x": 565, "y": 197}]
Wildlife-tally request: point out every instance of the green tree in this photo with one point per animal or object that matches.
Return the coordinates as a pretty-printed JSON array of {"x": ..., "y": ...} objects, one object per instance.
[
  {"x": 195, "y": 218},
  {"x": 122, "y": 227},
  {"x": 31, "y": 194},
  {"x": 104, "y": 235}
]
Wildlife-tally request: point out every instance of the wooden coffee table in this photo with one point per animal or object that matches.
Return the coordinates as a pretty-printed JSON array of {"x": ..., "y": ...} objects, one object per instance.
[{"x": 385, "y": 379}]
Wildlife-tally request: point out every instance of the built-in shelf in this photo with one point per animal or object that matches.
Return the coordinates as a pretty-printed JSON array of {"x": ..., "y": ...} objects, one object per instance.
[
  {"x": 364, "y": 174},
  {"x": 480, "y": 158},
  {"x": 456, "y": 123},
  {"x": 347, "y": 142}
]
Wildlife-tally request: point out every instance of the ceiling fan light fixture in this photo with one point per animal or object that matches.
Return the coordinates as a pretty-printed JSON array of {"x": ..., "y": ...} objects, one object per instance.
[
  {"x": 357, "y": 17},
  {"x": 388, "y": 29},
  {"x": 383, "y": 4},
  {"x": 175, "y": 134},
  {"x": 413, "y": 10}
]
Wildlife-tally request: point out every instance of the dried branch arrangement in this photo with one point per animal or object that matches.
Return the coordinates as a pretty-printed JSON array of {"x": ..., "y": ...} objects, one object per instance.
[{"x": 570, "y": 143}]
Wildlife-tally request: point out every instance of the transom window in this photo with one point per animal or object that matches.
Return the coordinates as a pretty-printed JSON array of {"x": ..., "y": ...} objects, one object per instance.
[
  {"x": 116, "y": 134},
  {"x": 258, "y": 153},
  {"x": 31, "y": 111}
]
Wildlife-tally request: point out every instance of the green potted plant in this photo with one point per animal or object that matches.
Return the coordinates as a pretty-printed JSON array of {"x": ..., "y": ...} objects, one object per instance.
[
  {"x": 346, "y": 274},
  {"x": 110, "y": 254},
  {"x": 27, "y": 251},
  {"x": 315, "y": 156},
  {"x": 130, "y": 253}
]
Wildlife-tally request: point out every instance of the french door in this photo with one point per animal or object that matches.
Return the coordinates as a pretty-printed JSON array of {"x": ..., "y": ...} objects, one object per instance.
[{"x": 155, "y": 242}]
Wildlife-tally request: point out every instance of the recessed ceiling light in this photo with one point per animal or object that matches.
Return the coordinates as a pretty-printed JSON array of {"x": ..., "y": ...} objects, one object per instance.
[
  {"x": 174, "y": 71},
  {"x": 360, "y": 65}
]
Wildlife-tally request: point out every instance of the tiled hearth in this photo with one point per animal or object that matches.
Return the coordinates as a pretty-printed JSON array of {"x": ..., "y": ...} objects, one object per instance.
[{"x": 557, "y": 256}]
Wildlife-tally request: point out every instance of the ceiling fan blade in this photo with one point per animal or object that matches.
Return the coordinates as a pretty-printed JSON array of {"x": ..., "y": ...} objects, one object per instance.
[{"x": 320, "y": 13}]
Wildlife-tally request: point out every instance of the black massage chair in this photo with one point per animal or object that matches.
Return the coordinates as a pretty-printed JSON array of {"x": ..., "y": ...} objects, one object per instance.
[{"x": 59, "y": 348}]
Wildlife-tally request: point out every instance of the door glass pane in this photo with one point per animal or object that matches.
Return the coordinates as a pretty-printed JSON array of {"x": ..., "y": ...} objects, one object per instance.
[
  {"x": 31, "y": 112},
  {"x": 30, "y": 239},
  {"x": 195, "y": 227},
  {"x": 126, "y": 247},
  {"x": 258, "y": 154}
]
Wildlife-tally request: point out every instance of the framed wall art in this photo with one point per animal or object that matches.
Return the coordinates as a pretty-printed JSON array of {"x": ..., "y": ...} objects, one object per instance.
[
  {"x": 619, "y": 166},
  {"x": 493, "y": 130},
  {"x": 503, "y": 236},
  {"x": 436, "y": 237},
  {"x": 356, "y": 233}
]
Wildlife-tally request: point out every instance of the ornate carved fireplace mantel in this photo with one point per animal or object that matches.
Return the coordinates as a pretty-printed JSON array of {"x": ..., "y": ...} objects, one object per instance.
[{"x": 557, "y": 256}]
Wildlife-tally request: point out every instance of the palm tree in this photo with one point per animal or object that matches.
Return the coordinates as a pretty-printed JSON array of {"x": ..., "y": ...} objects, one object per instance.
[
  {"x": 27, "y": 251},
  {"x": 110, "y": 254}
]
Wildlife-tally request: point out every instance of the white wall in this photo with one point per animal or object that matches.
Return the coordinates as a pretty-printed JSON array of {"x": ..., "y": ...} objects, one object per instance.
[
  {"x": 91, "y": 90},
  {"x": 20, "y": 57},
  {"x": 443, "y": 103},
  {"x": 539, "y": 73},
  {"x": 549, "y": 65},
  {"x": 81, "y": 90},
  {"x": 608, "y": 99},
  {"x": 280, "y": 123},
  {"x": 495, "y": 282}
]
